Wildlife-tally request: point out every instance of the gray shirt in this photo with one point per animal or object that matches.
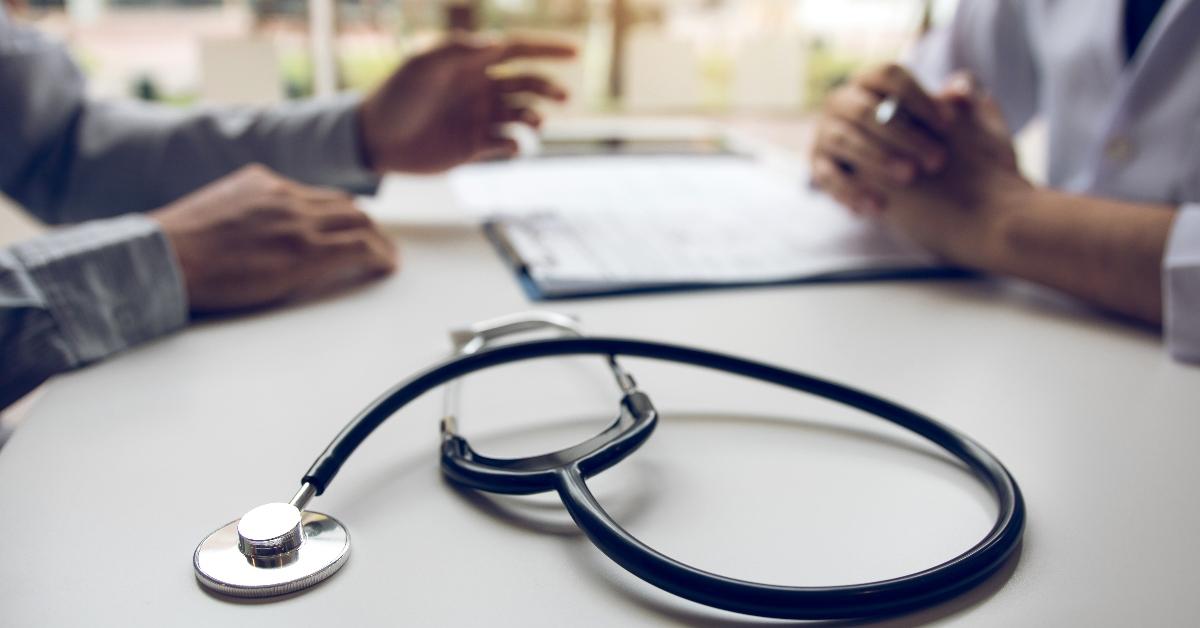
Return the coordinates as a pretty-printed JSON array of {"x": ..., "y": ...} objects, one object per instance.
[{"x": 81, "y": 293}]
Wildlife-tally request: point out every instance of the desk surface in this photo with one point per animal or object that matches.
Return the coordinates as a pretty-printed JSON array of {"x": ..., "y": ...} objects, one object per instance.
[{"x": 120, "y": 469}]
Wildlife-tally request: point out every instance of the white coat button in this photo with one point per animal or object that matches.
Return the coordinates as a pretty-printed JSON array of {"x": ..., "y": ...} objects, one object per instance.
[{"x": 1119, "y": 149}]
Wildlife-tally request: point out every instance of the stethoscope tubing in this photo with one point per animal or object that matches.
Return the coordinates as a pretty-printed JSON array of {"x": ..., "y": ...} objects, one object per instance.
[
  {"x": 846, "y": 601},
  {"x": 917, "y": 590}
]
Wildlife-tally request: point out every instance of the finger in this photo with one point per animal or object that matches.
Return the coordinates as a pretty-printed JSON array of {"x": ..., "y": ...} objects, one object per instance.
[
  {"x": 845, "y": 142},
  {"x": 498, "y": 148},
  {"x": 993, "y": 118},
  {"x": 287, "y": 191},
  {"x": 320, "y": 194},
  {"x": 895, "y": 80},
  {"x": 844, "y": 188},
  {"x": 531, "y": 49},
  {"x": 486, "y": 51},
  {"x": 341, "y": 219},
  {"x": 959, "y": 95},
  {"x": 961, "y": 86},
  {"x": 322, "y": 205},
  {"x": 531, "y": 84},
  {"x": 365, "y": 250},
  {"x": 345, "y": 260},
  {"x": 857, "y": 106},
  {"x": 963, "y": 91},
  {"x": 523, "y": 115},
  {"x": 383, "y": 257},
  {"x": 831, "y": 179}
]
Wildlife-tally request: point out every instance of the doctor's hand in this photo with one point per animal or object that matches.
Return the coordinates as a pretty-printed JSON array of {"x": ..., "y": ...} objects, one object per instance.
[
  {"x": 855, "y": 155},
  {"x": 959, "y": 213},
  {"x": 444, "y": 107},
  {"x": 981, "y": 213},
  {"x": 254, "y": 238}
]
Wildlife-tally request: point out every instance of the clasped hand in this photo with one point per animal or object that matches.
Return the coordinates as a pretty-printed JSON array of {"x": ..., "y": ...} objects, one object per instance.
[{"x": 943, "y": 170}]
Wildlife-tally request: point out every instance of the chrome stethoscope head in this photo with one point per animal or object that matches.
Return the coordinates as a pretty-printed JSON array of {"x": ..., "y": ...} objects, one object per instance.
[
  {"x": 279, "y": 548},
  {"x": 273, "y": 550}
]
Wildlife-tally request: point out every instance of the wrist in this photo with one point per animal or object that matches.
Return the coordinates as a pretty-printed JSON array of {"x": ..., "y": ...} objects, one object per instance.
[
  {"x": 985, "y": 241},
  {"x": 362, "y": 137},
  {"x": 1004, "y": 217},
  {"x": 171, "y": 229}
]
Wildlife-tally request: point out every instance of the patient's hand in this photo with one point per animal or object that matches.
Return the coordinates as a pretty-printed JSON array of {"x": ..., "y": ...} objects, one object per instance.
[
  {"x": 254, "y": 238},
  {"x": 443, "y": 108}
]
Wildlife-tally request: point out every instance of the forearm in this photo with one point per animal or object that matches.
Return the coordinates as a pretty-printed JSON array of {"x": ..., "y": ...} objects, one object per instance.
[
  {"x": 1104, "y": 251},
  {"x": 76, "y": 295},
  {"x": 69, "y": 159},
  {"x": 313, "y": 142},
  {"x": 137, "y": 157}
]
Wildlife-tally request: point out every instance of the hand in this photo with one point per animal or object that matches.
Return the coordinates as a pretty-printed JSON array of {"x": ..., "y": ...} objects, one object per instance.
[
  {"x": 854, "y": 156},
  {"x": 442, "y": 108},
  {"x": 254, "y": 238},
  {"x": 979, "y": 212},
  {"x": 958, "y": 213}
]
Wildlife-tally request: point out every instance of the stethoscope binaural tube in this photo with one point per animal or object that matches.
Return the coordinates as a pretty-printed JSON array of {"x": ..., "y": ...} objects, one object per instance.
[{"x": 568, "y": 478}]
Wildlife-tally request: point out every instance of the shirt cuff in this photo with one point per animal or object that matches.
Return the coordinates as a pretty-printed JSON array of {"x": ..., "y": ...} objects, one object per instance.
[
  {"x": 108, "y": 284},
  {"x": 330, "y": 147},
  {"x": 1181, "y": 285}
]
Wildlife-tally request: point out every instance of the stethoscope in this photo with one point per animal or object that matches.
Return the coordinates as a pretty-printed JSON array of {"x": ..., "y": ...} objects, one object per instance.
[{"x": 279, "y": 548}]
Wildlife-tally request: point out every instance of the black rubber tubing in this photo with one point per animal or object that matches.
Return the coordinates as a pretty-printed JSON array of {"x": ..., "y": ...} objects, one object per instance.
[{"x": 846, "y": 601}]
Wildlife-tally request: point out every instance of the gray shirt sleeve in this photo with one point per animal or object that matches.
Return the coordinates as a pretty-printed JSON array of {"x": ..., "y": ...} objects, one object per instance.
[
  {"x": 68, "y": 159},
  {"x": 81, "y": 293}
]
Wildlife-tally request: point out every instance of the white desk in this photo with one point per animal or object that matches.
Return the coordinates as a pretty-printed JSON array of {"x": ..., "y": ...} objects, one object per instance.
[{"x": 120, "y": 469}]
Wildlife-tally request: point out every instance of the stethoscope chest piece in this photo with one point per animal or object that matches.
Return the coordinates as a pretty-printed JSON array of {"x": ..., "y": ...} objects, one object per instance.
[{"x": 274, "y": 549}]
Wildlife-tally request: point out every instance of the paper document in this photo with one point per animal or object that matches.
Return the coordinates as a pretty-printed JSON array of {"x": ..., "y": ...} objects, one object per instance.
[{"x": 581, "y": 226}]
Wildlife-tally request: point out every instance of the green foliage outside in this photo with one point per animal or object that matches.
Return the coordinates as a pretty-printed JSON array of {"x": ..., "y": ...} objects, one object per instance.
[
  {"x": 296, "y": 68},
  {"x": 363, "y": 71},
  {"x": 828, "y": 68}
]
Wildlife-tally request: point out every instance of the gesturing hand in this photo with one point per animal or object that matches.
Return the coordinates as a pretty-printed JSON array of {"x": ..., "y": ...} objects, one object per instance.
[
  {"x": 442, "y": 108},
  {"x": 254, "y": 238}
]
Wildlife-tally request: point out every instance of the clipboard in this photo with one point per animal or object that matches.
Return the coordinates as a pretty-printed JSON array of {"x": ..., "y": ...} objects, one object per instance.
[{"x": 494, "y": 231}]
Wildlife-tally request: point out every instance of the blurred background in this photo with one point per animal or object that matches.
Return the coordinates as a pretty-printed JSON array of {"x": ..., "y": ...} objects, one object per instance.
[
  {"x": 678, "y": 56},
  {"x": 759, "y": 65}
]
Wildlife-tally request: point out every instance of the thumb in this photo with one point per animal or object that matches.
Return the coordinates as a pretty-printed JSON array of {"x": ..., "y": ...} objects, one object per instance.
[
  {"x": 991, "y": 116},
  {"x": 964, "y": 93},
  {"x": 961, "y": 88},
  {"x": 956, "y": 99}
]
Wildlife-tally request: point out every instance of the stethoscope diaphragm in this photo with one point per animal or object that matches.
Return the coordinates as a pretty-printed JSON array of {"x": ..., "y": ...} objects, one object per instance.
[{"x": 273, "y": 550}]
